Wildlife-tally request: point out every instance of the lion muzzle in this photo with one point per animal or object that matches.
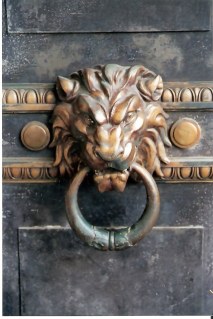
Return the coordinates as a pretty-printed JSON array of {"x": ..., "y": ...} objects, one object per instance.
[{"x": 109, "y": 142}]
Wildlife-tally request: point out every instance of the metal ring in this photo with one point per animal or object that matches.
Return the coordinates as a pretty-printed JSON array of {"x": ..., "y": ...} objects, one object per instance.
[{"x": 117, "y": 238}]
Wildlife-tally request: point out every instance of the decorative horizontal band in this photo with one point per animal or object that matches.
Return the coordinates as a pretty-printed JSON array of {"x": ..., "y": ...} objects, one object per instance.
[
  {"x": 39, "y": 98},
  {"x": 188, "y": 174},
  {"x": 28, "y": 108},
  {"x": 197, "y": 169},
  {"x": 33, "y": 93},
  {"x": 26, "y": 170},
  {"x": 47, "y": 108},
  {"x": 188, "y": 106}
]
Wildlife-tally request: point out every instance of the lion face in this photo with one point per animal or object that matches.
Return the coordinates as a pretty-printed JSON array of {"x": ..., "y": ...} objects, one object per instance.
[{"x": 108, "y": 119}]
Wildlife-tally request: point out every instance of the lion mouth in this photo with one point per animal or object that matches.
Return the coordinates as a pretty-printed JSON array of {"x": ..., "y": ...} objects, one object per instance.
[
  {"x": 111, "y": 179},
  {"x": 110, "y": 174},
  {"x": 99, "y": 161}
]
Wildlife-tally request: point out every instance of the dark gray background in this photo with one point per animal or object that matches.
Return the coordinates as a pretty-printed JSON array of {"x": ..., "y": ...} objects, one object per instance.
[
  {"x": 177, "y": 56},
  {"x": 59, "y": 16},
  {"x": 47, "y": 271}
]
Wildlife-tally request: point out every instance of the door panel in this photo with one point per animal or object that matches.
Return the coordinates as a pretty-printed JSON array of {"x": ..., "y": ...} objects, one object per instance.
[
  {"x": 108, "y": 16},
  {"x": 177, "y": 241},
  {"x": 47, "y": 270},
  {"x": 39, "y": 57},
  {"x": 69, "y": 278}
]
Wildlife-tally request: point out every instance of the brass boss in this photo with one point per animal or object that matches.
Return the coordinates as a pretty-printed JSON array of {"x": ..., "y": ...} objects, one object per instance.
[
  {"x": 35, "y": 136},
  {"x": 185, "y": 133}
]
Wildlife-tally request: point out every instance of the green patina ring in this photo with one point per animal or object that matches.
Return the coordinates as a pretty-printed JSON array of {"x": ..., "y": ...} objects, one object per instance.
[{"x": 117, "y": 238}]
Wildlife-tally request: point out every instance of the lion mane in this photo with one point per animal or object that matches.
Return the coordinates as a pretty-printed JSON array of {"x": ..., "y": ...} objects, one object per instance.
[{"x": 113, "y": 111}]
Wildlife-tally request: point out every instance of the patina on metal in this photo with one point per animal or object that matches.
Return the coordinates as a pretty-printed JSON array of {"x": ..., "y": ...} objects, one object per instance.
[
  {"x": 113, "y": 238},
  {"x": 111, "y": 121}
]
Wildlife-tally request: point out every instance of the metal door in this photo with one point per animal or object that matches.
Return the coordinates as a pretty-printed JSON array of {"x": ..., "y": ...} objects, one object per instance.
[{"x": 47, "y": 269}]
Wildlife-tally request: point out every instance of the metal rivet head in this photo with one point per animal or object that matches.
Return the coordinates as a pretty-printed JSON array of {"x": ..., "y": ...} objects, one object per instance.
[
  {"x": 185, "y": 133},
  {"x": 35, "y": 136}
]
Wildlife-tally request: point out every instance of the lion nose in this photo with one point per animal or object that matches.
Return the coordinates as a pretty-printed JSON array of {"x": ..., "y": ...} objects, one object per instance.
[{"x": 109, "y": 142}]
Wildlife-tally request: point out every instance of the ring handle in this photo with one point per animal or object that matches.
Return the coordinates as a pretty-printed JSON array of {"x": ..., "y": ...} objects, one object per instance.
[{"x": 116, "y": 238}]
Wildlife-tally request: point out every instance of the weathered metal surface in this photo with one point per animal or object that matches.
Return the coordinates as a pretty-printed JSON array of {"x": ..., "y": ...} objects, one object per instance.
[
  {"x": 39, "y": 57},
  {"x": 177, "y": 56},
  {"x": 34, "y": 205},
  {"x": 11, "y": 135},
  {"x": 62, "y": 16},
  {"x": 205, "y": 145},
  {"x": 90, "y": 283}
]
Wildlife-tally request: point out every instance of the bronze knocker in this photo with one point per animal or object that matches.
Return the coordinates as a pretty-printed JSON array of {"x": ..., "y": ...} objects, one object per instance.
[{"x": 110, "y": 121}]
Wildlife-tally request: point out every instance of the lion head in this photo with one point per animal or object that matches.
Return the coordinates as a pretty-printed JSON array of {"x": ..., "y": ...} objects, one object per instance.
[{"x": 109, "y": 117}]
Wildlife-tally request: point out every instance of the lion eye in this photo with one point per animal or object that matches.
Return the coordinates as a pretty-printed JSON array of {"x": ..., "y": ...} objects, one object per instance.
[
  {"x": 130, "y": 117},
  {"x": 88, "y": 120}
]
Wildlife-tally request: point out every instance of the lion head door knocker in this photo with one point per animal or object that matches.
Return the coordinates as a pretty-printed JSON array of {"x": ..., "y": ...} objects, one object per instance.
[{"x": 110, "y": 121}]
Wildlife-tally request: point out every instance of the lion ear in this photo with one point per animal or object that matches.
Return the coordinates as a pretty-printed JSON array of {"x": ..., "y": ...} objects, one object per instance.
[
  {"x": 151, "y": 89},
  {"x": 67, "y": 89}
]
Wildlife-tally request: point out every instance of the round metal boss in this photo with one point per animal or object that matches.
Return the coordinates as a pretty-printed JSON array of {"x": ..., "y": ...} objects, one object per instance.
[{"x": 35, "y": 136}]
